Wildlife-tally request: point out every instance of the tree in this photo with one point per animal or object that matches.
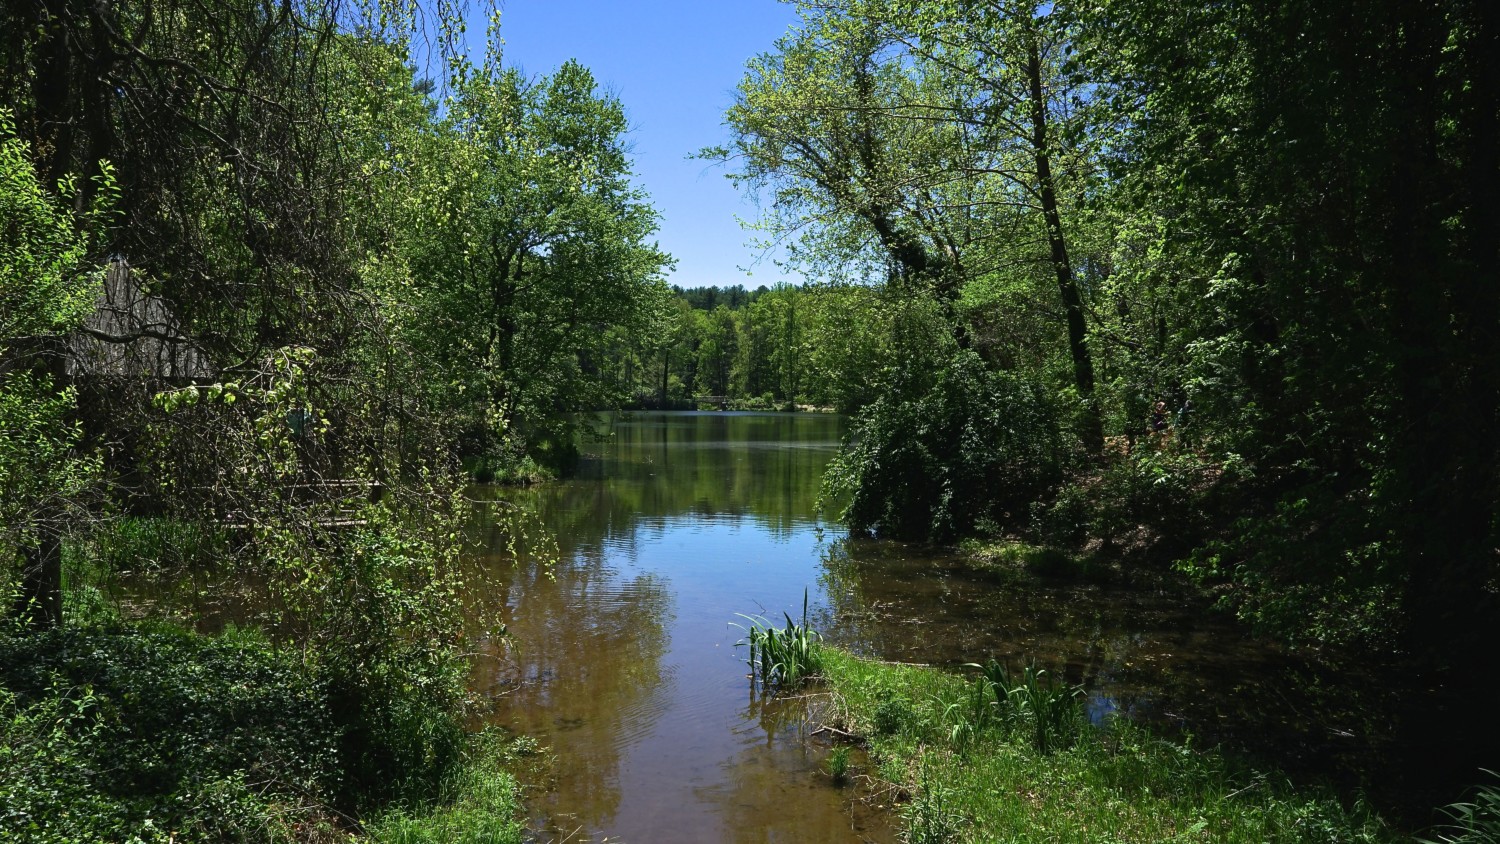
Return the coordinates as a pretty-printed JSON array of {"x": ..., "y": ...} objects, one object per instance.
[
  {"x": 1319, "y": 185},
  {"x": 47, "y": 286},
  {"x": 524, "y": 239}
]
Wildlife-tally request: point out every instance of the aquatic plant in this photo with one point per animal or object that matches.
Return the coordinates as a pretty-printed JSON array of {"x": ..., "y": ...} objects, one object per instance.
[
  {"x": 1051, "y": 711},
  {"x": 838, "y": 765},
  {"x": 1475, "y": 821},
  {"x": 783, "y": 658}
]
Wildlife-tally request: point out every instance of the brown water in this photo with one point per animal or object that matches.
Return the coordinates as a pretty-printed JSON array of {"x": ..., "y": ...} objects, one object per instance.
[{"x": 679, "y": 524}]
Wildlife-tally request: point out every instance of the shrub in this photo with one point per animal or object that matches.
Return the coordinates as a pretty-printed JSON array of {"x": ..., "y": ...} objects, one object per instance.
[
  {"x": 121, "y": 733},
  {"x": 933, "y": 461}
]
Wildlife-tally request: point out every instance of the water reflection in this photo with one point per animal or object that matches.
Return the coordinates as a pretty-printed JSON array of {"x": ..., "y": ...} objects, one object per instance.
[
  {"x": 626, "y": 665},
  {"x": 627, "y": 668}
]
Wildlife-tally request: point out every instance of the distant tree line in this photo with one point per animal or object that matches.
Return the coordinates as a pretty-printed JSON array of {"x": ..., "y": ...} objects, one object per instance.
[{"x": 766, "y": 348}]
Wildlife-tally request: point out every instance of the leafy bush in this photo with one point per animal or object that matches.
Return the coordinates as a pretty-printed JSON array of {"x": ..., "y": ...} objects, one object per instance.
[
  {"x": 114, "y": 734},
  {"x": 933, "y": 461},
  {"x": 1154, "y": 494}
]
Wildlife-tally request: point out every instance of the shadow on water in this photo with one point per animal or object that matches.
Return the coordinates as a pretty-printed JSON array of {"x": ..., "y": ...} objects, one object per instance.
[{"x": 625, "y": 662}]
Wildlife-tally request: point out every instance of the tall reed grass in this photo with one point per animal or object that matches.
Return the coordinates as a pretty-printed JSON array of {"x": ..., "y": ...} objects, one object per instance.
[
  {"x": 1475, "y": 821},
  {"x": 1049, "y": 711},
  {"x": 782, "y": 659}
]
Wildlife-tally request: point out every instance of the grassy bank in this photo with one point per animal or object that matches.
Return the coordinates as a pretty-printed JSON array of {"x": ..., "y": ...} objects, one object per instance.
[
  {"x": 155, "y": 734},
  {"x": 965, "y": 765}
]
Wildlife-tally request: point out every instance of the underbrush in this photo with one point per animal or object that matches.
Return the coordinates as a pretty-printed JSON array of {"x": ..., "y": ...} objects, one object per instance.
[
  {"x": 156, "y": 734},
  {"x": 480, "y": 801},
  {"x": 1003, "y": 756}
]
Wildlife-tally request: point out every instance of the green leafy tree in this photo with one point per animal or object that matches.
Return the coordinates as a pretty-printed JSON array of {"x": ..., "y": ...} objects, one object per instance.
[
  {"x": 525, "y": 241},
  {"x": 47, "y": 286}
]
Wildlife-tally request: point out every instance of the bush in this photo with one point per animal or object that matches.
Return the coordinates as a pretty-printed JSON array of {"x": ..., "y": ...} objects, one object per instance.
[
  {"x": 482, "y": 804},
  {"x": 1150, "y": 495},
  {"x": 933, "y": 461},
  {"x": 122, "y": 733}
]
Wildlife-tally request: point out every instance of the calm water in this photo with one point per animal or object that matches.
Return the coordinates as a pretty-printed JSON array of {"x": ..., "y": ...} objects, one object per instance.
[
  {"x": 626, "y": 664},
  {"x": 680, "y": 524}
]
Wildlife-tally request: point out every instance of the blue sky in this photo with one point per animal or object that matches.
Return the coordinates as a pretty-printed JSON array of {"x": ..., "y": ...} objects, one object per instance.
[{"x": 674, "y": 64}]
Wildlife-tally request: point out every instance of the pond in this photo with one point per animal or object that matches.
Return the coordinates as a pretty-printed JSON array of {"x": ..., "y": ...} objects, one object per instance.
[{"x": 680, "y": 525}]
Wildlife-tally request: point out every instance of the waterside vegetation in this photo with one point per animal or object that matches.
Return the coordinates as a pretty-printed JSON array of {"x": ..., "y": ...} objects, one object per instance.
[
  {"x": 1206, "y": 288},
  {"x": 997, "y": 756}
]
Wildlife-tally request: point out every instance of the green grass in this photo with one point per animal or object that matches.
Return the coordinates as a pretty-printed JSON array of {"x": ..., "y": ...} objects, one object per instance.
[
  {"x": 135, "y": 543},
  {"x": 974, "y": 772},
  {"x": 482, "y": 804}
]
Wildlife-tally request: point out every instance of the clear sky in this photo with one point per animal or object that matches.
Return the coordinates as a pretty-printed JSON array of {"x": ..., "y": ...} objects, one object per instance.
[{"x": 674, "y": 64}]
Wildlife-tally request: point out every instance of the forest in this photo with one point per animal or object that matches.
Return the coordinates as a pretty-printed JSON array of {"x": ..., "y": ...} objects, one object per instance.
[{"x": 1205, "y": 292}]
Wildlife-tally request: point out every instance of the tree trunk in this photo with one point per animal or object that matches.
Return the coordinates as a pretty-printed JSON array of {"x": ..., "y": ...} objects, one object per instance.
[
  {"x": 1067, "y": 286},
  {"x": 39, "y": 605}
]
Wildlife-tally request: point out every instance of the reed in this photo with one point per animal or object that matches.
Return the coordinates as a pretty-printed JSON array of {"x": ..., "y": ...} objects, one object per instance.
[
  {"x": 838, "y": 765},
  {"x": 1475, "y": 821},
  {"x": 1050, "y": 712},
  {"x": 784, "y": 658}
]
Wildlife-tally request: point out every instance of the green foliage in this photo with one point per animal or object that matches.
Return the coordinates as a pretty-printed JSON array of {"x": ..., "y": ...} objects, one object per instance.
[
  {"x": 891, "y": 714},
  {"x": 46, "y": 286},
  {"x": 1474, "y": 821},
  {"x": 931, "y": 817},
  {"x": 1111, "y": 782},
  {"x": 783, "y": 658},
  {"x": 838, "y": 765},
  {"x": 481, "y": 804},
  {"x": 973, "y": 445},
  {"x": 1034, "y": 704},
  {"x": 522, "y": 246},
  {"x": 1158, "y": 496},
  {"x": 133, "y": 732},
  {"x": 150, "y": 731},
  {"x": 135, "y": 543},
  {"x": 42, "y": 474}
]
